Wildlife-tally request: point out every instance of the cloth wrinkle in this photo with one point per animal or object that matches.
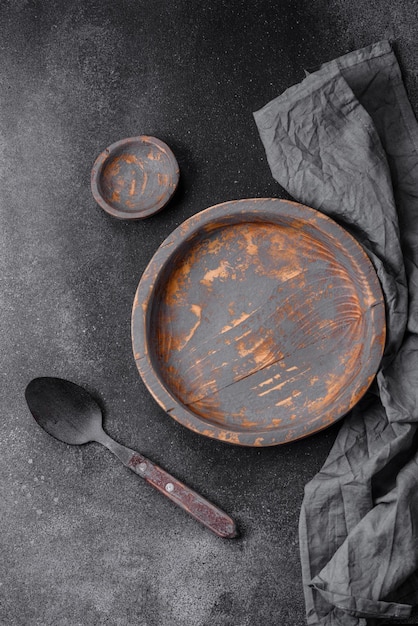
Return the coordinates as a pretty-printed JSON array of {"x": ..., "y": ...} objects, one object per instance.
[{"x": 345, "y": 141}]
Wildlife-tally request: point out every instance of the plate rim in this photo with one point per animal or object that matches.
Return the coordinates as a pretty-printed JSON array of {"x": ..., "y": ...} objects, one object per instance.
[{"x": 214, "y": 217}]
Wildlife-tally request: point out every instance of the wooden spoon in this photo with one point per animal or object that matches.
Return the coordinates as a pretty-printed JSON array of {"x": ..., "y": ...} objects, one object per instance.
[{"x": 69, "y": 413}]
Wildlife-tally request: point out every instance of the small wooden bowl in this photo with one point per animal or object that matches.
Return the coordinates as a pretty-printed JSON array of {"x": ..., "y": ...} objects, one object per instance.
[
  {"x": 135, "y": 177},
  {"x": 258, "y": 322}
]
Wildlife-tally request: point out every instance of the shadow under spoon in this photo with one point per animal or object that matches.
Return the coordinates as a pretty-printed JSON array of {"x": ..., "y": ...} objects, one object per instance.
[{"x": 70, "y": 414}]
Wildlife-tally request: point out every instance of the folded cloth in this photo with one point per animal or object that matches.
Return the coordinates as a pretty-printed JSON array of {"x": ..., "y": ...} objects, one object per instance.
[{"x": 345, "y": 141}]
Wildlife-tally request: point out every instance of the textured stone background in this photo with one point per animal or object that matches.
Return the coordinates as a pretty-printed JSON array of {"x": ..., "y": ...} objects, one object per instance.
[{"x": 83, "y": 541}]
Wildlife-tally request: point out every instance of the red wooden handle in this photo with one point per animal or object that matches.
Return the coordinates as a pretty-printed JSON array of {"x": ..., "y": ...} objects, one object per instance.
[{"x": 197, "y": 506}]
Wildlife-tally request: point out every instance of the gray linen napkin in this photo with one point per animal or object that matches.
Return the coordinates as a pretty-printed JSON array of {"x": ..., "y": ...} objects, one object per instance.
[{"x": 345, "y": 141}]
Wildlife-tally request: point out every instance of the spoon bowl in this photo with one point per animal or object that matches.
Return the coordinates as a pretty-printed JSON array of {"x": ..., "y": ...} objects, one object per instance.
[{"x": 64, "y": 410}]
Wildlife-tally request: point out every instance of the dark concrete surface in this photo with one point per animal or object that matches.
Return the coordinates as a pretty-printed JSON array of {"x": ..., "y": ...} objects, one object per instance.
[{"x": 83, "y": 541}]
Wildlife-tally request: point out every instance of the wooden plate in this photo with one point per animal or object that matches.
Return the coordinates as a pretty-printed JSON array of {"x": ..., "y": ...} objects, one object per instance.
[
  {"x": 135, "y": 177},
  {"x": 258, "y": 322}
]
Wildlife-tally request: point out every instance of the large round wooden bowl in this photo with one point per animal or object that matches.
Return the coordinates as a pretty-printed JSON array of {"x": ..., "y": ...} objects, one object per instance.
[{"x": 258, "y": 322}]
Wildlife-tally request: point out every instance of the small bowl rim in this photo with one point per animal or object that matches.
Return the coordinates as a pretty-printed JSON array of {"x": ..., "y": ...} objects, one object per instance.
[{"x": 104, "y": 157}]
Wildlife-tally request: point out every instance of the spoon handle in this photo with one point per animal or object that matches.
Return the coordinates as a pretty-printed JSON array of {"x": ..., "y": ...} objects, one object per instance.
[{"x": 198, "y": 507}]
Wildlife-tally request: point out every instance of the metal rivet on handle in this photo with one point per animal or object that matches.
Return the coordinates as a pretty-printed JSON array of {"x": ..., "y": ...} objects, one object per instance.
[
  {"x": 142, "y": 467},
  {"x": 169, "y": 487}
]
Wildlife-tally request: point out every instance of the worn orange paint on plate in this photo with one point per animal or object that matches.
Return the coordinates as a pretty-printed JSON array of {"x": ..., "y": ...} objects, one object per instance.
[{"x": 258, "y": 322}]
